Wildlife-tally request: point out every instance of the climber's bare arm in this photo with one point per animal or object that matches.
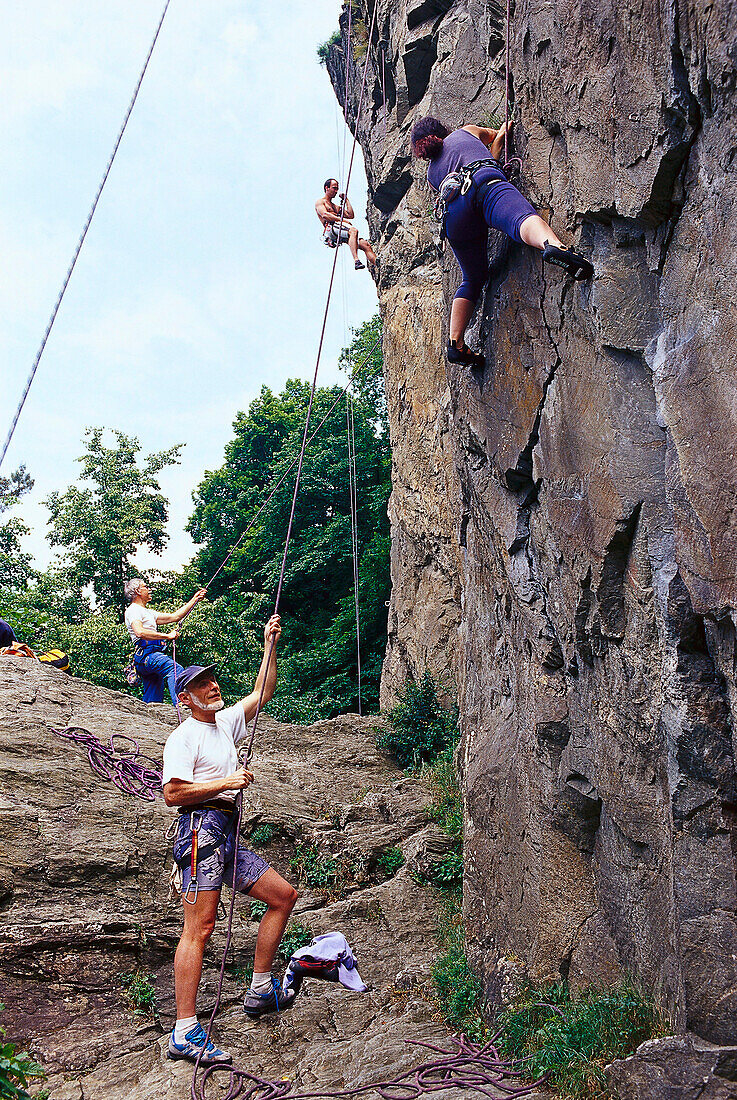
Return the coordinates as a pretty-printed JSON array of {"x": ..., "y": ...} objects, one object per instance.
[{"x": 492, "y": 139}]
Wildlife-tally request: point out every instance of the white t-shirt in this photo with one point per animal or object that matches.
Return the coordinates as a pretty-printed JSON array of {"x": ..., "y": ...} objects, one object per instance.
[
  {"x": 137, "y": 613},
  {"x": 198, "y": 752}
]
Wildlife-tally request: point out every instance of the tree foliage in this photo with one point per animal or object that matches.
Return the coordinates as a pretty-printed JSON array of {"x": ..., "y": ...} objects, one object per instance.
[
  {"x": 318, "y": 673},
  {"x": 15, "y": 565},
  {"x": 118, "y": 507},
  {"x": 103, "y": 526}
]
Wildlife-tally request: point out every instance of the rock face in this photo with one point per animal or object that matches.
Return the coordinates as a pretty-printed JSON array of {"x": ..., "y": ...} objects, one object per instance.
[
  {"x": 85, "y": 885},
  {"x": 563, "y": 521}
]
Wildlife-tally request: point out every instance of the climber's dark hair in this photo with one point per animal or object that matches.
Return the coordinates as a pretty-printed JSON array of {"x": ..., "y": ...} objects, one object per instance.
[
  {"x": 427, "y": 137},
  {"x": 328, "y": 182}
]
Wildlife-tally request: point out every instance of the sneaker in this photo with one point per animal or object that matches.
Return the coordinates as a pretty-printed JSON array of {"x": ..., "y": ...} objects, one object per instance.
[
  {"x": 359, "y": 266},
  {"x": 276, "y": 1000},
  {"x": 571, "y": 262},
  {"x": 192, "y": 1045},
  {"x": 463, "y": 354}
]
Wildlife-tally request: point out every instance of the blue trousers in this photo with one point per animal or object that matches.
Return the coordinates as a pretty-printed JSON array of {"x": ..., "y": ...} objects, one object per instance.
[
  {"x": 154, "y": 669},
  {"x": 467, "y": 225}
]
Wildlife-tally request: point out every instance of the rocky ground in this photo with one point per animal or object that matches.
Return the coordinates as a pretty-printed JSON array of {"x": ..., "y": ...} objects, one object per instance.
[{"x": 84, "y": 895}]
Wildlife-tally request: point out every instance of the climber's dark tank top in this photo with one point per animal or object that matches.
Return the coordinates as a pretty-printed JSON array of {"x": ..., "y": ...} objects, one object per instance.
[{"x": 459, "y": 148}]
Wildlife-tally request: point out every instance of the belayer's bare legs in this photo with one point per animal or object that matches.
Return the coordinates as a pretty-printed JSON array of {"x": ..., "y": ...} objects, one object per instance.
[
  {"x": 199, "y": 921},
  {"x": 537, "y": 233},
  {"x": 280, "y": 899}
]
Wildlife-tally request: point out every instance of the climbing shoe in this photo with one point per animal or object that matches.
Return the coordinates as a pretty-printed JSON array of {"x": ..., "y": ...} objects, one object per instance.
[
  {"x": 359, "y": 266},
  {"x": 190, "y": 1049},
  {"x": 276, "y": 1000},
  {"x": 463, "y": 354},
  {"x": 576, "y": 265}
]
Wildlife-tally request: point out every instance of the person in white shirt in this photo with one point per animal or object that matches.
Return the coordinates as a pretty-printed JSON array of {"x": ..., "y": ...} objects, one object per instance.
[
  {"x": 153, "y": 665},
  {"x": 201, "y": 776}
]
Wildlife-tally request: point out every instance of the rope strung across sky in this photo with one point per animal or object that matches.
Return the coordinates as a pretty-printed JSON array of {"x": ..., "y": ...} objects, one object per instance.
[{"x": 80, "y": 242}]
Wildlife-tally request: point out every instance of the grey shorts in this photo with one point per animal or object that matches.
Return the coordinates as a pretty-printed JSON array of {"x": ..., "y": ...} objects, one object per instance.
[
  {"x": 217, "y": 858},
  {"x": 332, "y": 234}
]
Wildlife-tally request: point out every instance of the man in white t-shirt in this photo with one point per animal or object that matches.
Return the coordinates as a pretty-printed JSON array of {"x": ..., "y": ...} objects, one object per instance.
[
  {"x": 153, "y": 666},
  {"x": 202, "y": 777}
]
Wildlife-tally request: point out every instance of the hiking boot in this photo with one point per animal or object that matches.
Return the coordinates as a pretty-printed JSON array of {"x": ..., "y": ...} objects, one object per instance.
[
  {"x": 276, "y": 1000},
  {"x": 190, "y": 1049}
]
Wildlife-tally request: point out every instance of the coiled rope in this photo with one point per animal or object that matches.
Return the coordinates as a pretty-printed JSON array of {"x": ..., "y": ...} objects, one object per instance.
[
  {"x": 130, "y": 771},
  {"x": 467, "y": 1066}
]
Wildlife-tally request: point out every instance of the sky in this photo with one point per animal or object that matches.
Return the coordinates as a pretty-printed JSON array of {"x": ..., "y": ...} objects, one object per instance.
[{"x": 204, "y": 275}]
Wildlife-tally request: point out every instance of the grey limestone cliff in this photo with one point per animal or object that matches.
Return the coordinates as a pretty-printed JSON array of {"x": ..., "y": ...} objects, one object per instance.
[{"x": 563, "y": 522}]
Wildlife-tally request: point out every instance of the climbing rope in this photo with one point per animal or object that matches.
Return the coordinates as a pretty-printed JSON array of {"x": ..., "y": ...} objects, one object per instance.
[
  {"x": 467, "y": 1066},
  {"x": 78, "y": 249},
  {"x": 130, "y": 771},
  {"x": 282, "y": 571},
  {"x": 353, "y": 492}
]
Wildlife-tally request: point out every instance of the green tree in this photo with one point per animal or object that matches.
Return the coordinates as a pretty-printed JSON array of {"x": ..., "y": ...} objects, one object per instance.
[
  {"x": 318, "y": 675},
  {"x": 15, "y": 565},
  {"x": 103, "y": 526},
  {"x": 364, "y": 358}
]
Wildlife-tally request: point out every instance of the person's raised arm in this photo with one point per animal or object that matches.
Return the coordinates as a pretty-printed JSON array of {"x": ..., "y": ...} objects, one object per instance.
[
  {"x": 346, "y": 207},
  {"x": 492, "y": 139},
  {"x": 181, "y": 612},
  {"x": 266, "y": 678}
]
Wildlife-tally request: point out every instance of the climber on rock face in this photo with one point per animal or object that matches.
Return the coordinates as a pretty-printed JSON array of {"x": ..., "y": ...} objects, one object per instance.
[
  {"x": 481, "y": 198},
  {"x": 202, "y": 777},
  {"x": 330, "y": 215}
]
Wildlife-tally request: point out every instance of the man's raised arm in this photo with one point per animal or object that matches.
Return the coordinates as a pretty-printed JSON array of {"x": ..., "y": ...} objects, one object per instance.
[{"x": 266, "y": 678}]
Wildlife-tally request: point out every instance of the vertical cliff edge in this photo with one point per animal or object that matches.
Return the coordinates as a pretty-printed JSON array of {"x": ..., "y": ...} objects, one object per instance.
[{"x": 565, "y": 522}]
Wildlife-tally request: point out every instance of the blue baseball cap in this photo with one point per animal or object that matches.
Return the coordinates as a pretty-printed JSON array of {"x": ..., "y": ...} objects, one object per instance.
[{"x": 189, "y": 674}]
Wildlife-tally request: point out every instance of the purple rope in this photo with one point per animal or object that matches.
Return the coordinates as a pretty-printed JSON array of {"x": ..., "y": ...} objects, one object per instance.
[
  {"x": 465, "y": 1066},
  {"x": 127, "y": 768}
]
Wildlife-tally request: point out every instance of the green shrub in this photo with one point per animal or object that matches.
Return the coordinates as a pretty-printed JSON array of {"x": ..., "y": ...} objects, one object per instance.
[
  {"x": 572, "y": 1038},
  {"x": 419, "y": 727},
  {"x": 297, "y": 935},
  {"x": 323, "y": 50},
  {"x": 139, "y": 992},
  {"x": 258, "y": 908},
  {"x": 457, "y": 989},
  {"x": 389, "y": 861},
  {"x": 263, "y": 835},
  {"x": 447, "y": 804},
  {"x": 17, "y": 1069},
  {"x": 447, "y": 873},
  {"x": 312, "y": 867}
]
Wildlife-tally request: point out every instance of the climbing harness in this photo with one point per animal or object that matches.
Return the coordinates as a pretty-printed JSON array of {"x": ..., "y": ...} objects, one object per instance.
[
  {"x": 459, "y": 182},
  {"x": 469, "y": 1066},
  {"x": 78, "y": 249}
]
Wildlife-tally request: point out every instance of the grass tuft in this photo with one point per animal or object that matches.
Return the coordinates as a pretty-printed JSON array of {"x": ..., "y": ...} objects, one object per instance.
[
  {"x": 573, "y": 1037},
  {"x": 139, "y": 991}
]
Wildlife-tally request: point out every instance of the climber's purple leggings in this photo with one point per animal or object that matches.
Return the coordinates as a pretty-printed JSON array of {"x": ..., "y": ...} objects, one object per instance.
[{"x": 467, "y": 221}]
